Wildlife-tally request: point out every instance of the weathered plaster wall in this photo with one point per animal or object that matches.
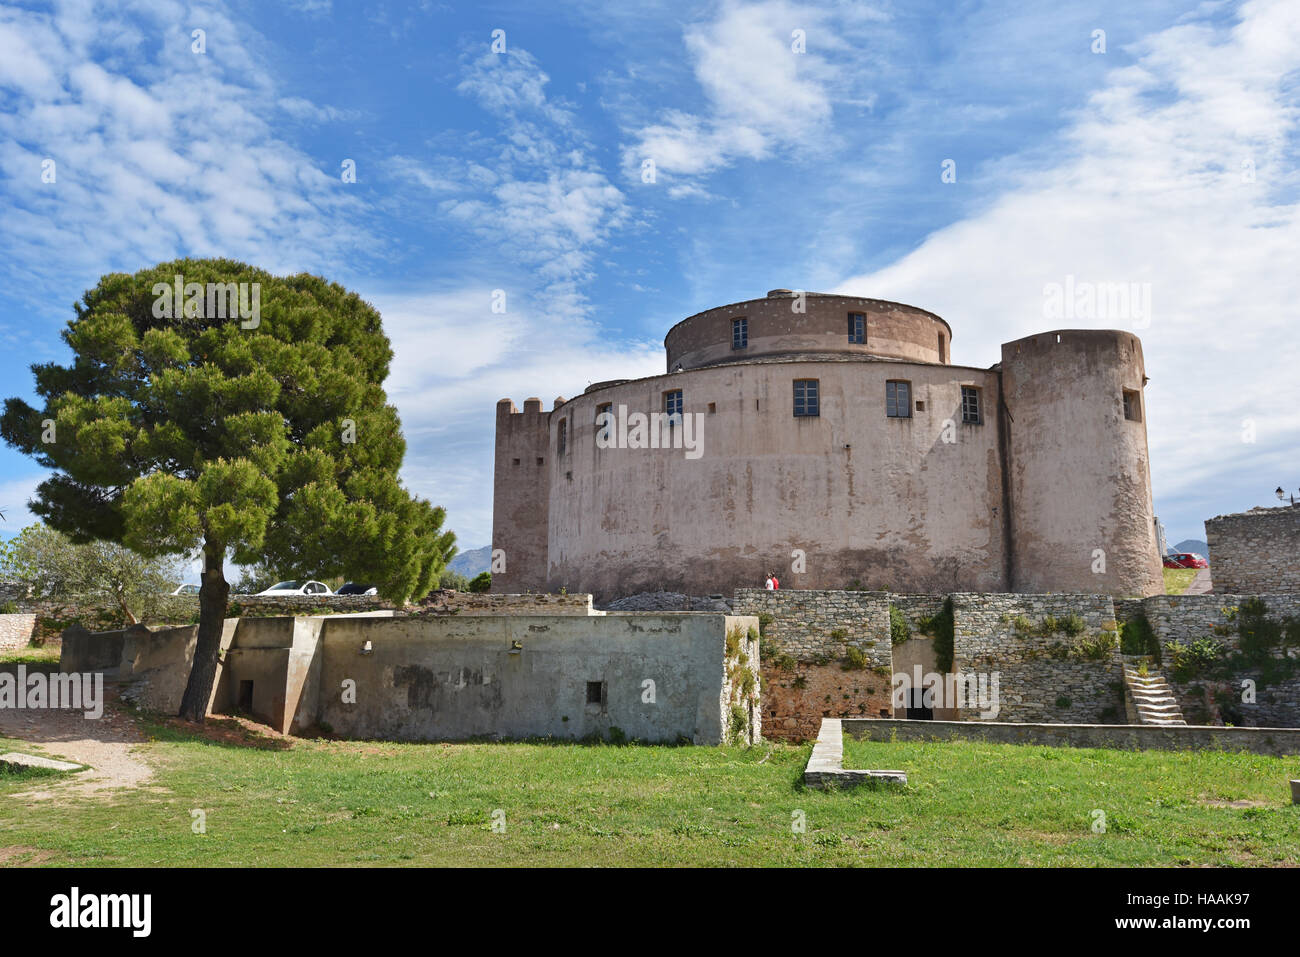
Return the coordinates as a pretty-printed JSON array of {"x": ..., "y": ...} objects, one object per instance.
[
  {"x": 1080, "y": 479},
  {"x": 454, "y": 678},
  {"x": 1255, "y": 552},
  {"x": 843, "y": 486},
  {"x": 520, "y": 495}
]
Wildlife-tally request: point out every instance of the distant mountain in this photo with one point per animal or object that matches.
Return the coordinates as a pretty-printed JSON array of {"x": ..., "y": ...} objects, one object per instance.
[
  {"x": 473, "y": 562},
  {"x": 1192, "y": 545}
]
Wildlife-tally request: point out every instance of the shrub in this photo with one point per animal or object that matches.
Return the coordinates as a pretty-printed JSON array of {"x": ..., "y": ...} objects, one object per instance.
[
  {"x": 1137, "y": 638},
  {"x": 1098, "y": 648},
  {"x": 481, "y": 582},
  {"x": 855, "y": 659},
  {"x": 1072, "y": 625},
  {"x": 1193, "y": 660},
  {"x": 1022, "y": 625},
  {"x": 1063, "y": 702},
  {"x": 839, "y": 634},
  {"x": 899, "y": 632},
  {"x": 764, "y": 619}
]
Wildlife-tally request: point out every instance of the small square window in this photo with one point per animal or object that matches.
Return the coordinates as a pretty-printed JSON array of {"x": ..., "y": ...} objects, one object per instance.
[
  {"x": 857, "y": 327},
  {"x": 898, "y": 399},
  {"x": 739, "y": 333},
  {"x": 971, "y": 414},
  {"x": 806, "y": 398},
  {"x": 596, "y": 692},
  {"x": 1132, "y": 405},
  {"x": 540, "y": 460},
  {"x": 516, "y": 461},
  {"x": 920, "y": 405},
  {"x": 713, "y": 408}
]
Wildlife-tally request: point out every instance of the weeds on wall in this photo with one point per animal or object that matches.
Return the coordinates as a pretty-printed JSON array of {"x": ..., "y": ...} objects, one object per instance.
[
  {"x": 1136, "y": 637},
  {"x": 899, "y": 632},
  {"x": 940, "y": 627}
]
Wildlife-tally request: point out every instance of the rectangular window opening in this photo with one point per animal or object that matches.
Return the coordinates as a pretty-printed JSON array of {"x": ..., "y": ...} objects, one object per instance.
[
  {"x": 596, "y": 692},
  {"x": 806, "y": 398},
  {"x": 857, "y": 328},
  {"x": 562, "y": 437},
  {"x": 898, "y": 399},
  {"x": 971, "y": 413},
  {"x": 673, "y": 406},
  {"x": 739, "y": 333},
  {"x": 1132, "y": 405}
]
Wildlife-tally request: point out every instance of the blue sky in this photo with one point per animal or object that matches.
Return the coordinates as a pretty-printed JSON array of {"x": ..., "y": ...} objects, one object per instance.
[{"x": 1168, "y": 159}]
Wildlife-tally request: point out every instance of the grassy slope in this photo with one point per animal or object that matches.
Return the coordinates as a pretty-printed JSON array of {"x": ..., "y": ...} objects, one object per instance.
[
  {"x": 336, "y": 803},
  {"x": 1177, "y": 579}
]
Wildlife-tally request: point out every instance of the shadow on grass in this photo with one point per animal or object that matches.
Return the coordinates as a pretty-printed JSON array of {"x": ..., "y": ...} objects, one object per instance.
[{"x": 217, "y": 730}]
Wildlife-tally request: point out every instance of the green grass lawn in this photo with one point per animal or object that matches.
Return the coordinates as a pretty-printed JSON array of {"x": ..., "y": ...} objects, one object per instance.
[
  {"x": 344, "y": 803},
  {"x": 31, "y": 655},
  {"x": 1177, "y": 579}
]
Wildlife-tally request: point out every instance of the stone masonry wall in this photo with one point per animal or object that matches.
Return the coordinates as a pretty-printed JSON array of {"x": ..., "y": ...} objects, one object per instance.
[
  {"x": 806, "y": 671},
  {"x": 15, "y": 631},
  {"x": 1255, "y": 552},
  {"x": 1217, "y": 699},
  {"x": 1043, "y": 677}
]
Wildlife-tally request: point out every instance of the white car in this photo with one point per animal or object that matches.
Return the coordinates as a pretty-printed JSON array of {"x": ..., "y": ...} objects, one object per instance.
[
  {"x": 187, "y": 590},
  {"x": 297, "y": 588}
]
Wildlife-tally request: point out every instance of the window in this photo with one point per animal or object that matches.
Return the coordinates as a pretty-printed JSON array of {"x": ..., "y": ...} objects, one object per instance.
[
  {"x": 673, "y": 405},
  {"x": 739, "y": 333},
  {"x": 562, "y": 437},
  {"x": 596, "y": 693},
  {"x": 898, "y": 399},
  {"x": 970, "y": 405},
  {"x": 805, "y": 398},
  {"x": 601, "y": 410},
  {"x": 604, "y": 426},
  {"x": 943, "y": 349},
  {"x": 857, "y": 327},
  {"x": 1132, "y": 406}
]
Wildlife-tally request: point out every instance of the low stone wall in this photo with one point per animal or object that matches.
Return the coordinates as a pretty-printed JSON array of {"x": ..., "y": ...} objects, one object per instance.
[
  {"x": 491, "y": 603},
  {"x": 1255, "y": 552},
  {"x": 1185, "y": 619},
  {"x": 1042, "y": 676},
  {"x": 16, "y": 631},
  {"x": 1279, "y": 742}
]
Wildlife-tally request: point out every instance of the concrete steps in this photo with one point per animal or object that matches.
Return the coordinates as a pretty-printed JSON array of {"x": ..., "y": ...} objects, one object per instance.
[{"x": 1150, "y": 699}]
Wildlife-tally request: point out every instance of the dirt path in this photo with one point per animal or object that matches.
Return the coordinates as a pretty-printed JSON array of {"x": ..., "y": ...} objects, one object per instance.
[
  {"x": 1201, "y": 584},
  {"x": 105, "y": 744}
]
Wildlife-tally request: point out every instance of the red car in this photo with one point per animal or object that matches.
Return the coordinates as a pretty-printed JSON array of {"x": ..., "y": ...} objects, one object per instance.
[{"x": 1185, "y": 560}]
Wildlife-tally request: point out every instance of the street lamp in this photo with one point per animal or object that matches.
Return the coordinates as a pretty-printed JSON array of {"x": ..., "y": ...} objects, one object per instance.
[{"x": 1282, "y": 496}]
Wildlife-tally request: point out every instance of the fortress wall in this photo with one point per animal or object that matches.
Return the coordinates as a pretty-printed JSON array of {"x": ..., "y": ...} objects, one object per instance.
[
  {"x": 881, "y": 500},
  {"x": 521, "y": 494},
  {"x": 805, "y": 669},
  {"x": 1079, "y": 472},
  {"x": 1255, "y": 551},
  {"x": 892, "y": 329}
]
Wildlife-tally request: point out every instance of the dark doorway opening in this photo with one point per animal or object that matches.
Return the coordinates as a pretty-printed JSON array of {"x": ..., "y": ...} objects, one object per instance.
[
  {"x": 917, "y": 709},
  {"x": 246, "y": 696}
]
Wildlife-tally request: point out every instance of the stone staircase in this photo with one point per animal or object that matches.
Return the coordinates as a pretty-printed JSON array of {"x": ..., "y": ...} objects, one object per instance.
[{"x": 1149, "y": 699}]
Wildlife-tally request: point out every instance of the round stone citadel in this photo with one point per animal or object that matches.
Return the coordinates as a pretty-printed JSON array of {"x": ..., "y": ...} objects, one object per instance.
[{"x": 830, "y": 439}]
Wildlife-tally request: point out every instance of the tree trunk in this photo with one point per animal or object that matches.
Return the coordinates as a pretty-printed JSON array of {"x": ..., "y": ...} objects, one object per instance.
[{"x": 213, "y": 594}]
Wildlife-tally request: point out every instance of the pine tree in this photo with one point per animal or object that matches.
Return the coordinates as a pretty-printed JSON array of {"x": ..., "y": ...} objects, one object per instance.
[{"x": 253, "y": 427}]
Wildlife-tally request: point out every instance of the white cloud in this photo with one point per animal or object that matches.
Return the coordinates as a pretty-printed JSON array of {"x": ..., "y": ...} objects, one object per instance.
[
  {"x": 761, "y": 98},
  {"x": 1147, "y": 186}
]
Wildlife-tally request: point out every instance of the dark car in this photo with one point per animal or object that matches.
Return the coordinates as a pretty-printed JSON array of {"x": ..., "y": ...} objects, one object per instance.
[
  {"x": 1185, "y": 560},
  {"x": 354, "y": 588}
]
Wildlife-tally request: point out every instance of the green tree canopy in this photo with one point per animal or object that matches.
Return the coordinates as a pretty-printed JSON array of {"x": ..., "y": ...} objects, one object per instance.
[{"x": 182, "y": 424}]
